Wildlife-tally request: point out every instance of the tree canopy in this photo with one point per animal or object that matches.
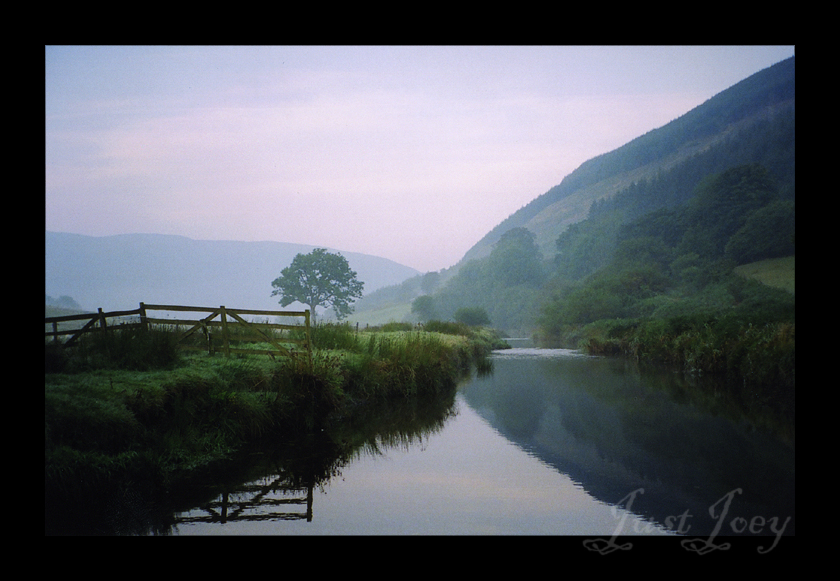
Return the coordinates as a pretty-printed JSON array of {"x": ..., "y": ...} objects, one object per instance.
[
  {"x": 515, "y": 259},
  {"x": 472, "y": 316},
  {"x": 424, "y": 307},
  {"x": 319, "y": 279}
]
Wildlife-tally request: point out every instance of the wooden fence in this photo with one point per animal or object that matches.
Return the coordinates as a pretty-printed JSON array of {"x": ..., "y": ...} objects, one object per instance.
[{"x": 231, "y": 325}]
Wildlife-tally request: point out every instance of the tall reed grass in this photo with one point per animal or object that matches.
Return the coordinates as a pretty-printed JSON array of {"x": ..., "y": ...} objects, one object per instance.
[
  {"x": 122, "y": 347},
  {"x": 757, "y": 357}
]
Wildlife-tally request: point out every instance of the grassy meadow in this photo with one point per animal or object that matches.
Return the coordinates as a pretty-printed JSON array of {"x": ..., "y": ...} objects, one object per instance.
[
  {"x": 775, "y": 272},
  {"x": 129, "y": 406}
]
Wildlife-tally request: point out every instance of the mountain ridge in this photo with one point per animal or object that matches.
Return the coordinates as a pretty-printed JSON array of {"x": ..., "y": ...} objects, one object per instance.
[
  {"x": 710, "y": 123},
  {"x": 117, "y": 272}
]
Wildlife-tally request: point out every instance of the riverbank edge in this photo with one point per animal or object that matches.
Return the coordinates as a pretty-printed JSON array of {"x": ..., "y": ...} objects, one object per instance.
[
  {"x": 754, "y": 362},
  {"x": 107, "y": 431}
]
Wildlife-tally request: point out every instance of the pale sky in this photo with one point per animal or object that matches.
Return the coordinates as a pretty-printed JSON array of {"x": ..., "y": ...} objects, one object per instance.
[{"x": 409, "y": 153}]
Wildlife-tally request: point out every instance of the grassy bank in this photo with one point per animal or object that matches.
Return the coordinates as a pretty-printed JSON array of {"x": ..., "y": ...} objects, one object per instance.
[
  {"x": 720, "y": 322},
  {"x": 129, "y": 408},
  {"x": 757, "y": 360},
  {"x": 775, "y": 272}
]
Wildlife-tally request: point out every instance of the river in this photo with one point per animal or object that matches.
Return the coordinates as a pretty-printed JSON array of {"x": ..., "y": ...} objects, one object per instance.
[{"x": 551, "y": 442}]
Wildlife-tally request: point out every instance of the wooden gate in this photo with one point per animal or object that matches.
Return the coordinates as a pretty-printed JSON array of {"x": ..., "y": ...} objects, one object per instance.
[{"x": 230, "y": 325}]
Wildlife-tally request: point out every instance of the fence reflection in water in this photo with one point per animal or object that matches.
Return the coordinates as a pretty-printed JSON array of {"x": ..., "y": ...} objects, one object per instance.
[{"x": 253, "y": 502}]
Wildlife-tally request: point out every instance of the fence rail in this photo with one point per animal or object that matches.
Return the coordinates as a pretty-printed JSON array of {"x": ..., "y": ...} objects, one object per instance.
[{"x": 231, "y": 324}]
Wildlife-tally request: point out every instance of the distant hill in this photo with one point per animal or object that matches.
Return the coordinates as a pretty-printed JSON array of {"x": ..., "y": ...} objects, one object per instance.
[{"x": 117, "y": 272}]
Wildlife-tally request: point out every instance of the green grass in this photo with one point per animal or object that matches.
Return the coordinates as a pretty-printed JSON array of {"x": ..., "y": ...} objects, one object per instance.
[
  {"x": 738, "y": 329},
  {"x": 121, "y": 348},
  {"x": 775, "y": 272},
  {"x": 128, "y": 407},
  {"x": 381, "y": 316}
]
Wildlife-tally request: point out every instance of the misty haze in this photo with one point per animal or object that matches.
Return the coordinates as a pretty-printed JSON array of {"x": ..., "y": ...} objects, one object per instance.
[{"x": 568, "y": 303}]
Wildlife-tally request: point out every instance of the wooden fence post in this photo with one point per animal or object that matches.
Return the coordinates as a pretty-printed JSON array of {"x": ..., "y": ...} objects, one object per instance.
[
  {"x": 225, "y": 336},
  {"x": 102, "y": 323},
  {"x": 207, "y": 333},
  {"x": 144, "y": 323},
  {"x": 308, "y": 336}
]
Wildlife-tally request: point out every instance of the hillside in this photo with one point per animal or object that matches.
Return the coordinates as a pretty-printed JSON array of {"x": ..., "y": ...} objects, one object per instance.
[
  {"x": 707, "y": 131},
  {"x": 117, "y": 272},
  {"x": 639, "y": 193}
]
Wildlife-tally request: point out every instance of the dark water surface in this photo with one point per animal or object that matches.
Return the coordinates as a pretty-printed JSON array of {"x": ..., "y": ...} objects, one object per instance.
[{"x": 550, "y": 443}]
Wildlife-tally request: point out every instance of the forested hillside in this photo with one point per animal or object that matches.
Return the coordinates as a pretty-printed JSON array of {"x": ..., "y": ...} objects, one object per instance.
[
  {"x": 649, "y": 269},
  {"x": 728, "y": 129}
]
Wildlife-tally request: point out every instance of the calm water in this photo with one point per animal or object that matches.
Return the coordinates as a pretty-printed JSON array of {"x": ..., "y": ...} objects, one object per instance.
[{"x": 550, "y": 443}]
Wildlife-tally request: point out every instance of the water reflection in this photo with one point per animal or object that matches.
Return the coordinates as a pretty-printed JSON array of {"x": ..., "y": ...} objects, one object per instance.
[
  {"x": 294, "y": 469},
  {"x": 596, "y": 431},
  {"x": 616, "y": 429},
  {"x": 254, "y": 502}
]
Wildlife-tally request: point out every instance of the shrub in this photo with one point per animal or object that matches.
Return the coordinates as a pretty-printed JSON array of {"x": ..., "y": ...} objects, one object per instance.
[
  {"x": 768, "y": 233},
  {"x": 473, "y": 316}
]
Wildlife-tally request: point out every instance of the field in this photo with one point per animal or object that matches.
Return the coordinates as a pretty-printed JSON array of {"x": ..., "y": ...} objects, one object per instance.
[
  {"x": 398, "y": 313},
  {"x": 775, "y": 272}
]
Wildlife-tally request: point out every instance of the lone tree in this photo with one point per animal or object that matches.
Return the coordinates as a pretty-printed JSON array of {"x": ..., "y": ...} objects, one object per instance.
[
  {"x": 319, "y": 279},
  {"x": 472, "y": 316}
]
